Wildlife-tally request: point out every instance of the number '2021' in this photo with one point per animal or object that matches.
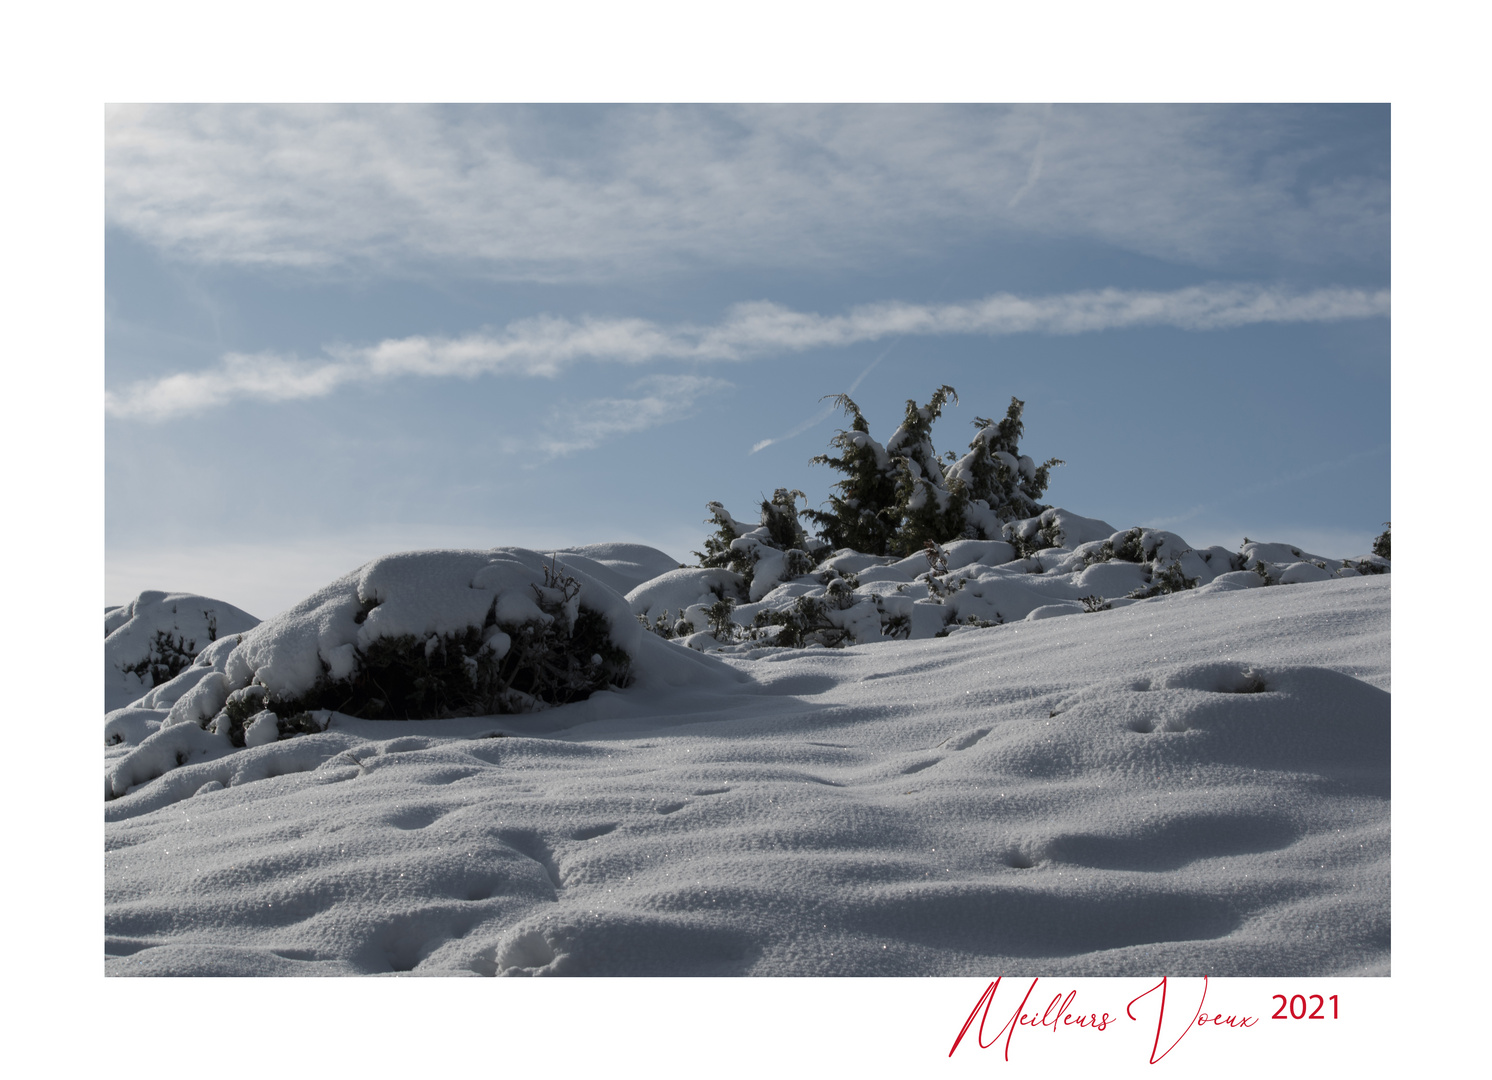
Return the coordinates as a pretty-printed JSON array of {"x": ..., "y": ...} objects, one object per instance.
[{"x": 1299, "y": 1007}]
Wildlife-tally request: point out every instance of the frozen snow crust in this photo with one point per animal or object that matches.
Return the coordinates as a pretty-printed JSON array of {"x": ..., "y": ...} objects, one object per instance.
[{"x": 1192, "y": 783}]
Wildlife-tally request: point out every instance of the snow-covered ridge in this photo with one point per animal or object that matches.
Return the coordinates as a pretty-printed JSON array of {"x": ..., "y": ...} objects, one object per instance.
[{"x": 1055, "y": 563}]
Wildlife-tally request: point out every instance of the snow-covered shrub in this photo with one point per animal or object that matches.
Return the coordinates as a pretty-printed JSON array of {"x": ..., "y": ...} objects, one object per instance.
[
  {"x": 414, "y": 636},
  {"x": 955, "y": 578},
  {"x": 718, "y": 616},
  {"x": 777, "y": 550},
  {"x": 836, "y": 618},
  {"x": 434, "y": 634},
  {"x": 860, "y": 516},
  {"x": 156, "y": 636},
  {"x": 662, "y": 625},
  {"x": 678, "y": 604},
  {"x": 1166, "y": 580}
]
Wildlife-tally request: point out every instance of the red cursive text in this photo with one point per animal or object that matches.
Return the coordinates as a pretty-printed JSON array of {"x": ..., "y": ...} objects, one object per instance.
[
  {"x": 1055, "y": 1015},
  {"x": 1058, "y": 1014}
]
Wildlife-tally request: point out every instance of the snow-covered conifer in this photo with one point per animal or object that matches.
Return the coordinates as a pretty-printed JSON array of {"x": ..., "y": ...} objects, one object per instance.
[
  {"x": 859, "y": 515},
  {"x": 927, "y": 506},
  {"x": 1001, "y": 483},
  {"x": 718, "y": 553}
]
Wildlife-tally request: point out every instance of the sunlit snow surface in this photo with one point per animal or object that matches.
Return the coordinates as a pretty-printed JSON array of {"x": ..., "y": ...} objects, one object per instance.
[{"x": 1099, "y": 794}]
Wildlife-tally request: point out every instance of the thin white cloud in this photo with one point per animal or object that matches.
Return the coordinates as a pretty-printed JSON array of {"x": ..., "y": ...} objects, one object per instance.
[
  {"x": 663, "y": 399},
  {"x": 1035, "y": 172},
  {"x": 547, "y": 346},
  {"x": 563, "y": 193}
]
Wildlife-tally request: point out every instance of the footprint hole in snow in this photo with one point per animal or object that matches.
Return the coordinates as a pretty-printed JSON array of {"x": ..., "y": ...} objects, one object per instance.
[
  {"x": 1248, "y": 681},
  {"x": 527, "y": 950},
  {"x": 1219, "y": 678},
  {"x": 1142, "y": 724}
]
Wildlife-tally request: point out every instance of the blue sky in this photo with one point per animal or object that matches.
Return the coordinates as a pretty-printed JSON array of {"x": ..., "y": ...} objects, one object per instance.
[{"x": 331, "y": 333}]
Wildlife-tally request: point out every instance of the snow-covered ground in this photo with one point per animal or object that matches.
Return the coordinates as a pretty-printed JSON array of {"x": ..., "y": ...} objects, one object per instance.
[{"x": 1192, "y": 783}]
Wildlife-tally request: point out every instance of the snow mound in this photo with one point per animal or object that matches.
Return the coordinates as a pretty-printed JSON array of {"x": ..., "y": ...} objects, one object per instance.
[
  {"x": 684, "y": 595},
  {"x": 151, "y": 639},
  {"x": 623, "y": 567},
  {"x": 416, "y": 635}
]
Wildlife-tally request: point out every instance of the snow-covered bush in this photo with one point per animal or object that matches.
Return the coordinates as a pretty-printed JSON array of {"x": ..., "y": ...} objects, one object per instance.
[
  {"x": 686, "y": 601},
  {"x": 156, "y": 636},
  {"x": 419, "y": 635},
  {"x": 440, "y": 633},
  {"x": 1051, "y": 564},
  {"x": 776, "y": 550}
]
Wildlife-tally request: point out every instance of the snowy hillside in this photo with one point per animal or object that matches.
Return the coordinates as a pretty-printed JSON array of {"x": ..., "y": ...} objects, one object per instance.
[{"x": 1188, "y": 773}]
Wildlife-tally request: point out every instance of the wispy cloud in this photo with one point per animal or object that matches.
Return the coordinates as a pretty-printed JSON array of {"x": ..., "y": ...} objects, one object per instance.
[
  {"x": 662, "y": 399},
  {"x": 564, "y": 192},
  {"x": 546, "y": 346},
  {"x": 1035, "y": 172}
]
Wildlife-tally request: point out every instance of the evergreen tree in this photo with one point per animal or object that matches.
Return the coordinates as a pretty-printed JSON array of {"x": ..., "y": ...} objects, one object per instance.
[
  {"x": 859, "y": 516},
  {"x": 780, "y": 517},
  {"x": 1000, "y": 482},
  {"x": 927, "y": 507},
  {"x": 718, "y": 553},
  {"x": 897, "y": 498}
]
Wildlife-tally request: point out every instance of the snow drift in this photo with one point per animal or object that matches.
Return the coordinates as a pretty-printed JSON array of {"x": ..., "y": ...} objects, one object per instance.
[{"x": 1193, "y": 783}]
